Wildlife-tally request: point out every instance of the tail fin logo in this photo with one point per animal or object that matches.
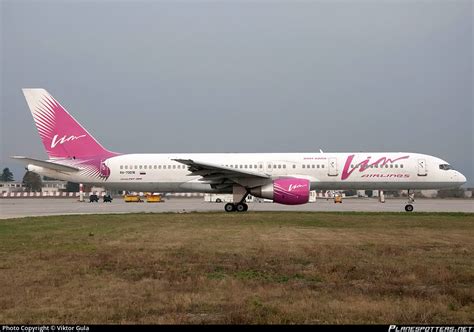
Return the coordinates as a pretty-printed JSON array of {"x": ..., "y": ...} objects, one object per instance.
[
  {"x": 63, "y": 139},
  {"x": 62, "y": 135}
]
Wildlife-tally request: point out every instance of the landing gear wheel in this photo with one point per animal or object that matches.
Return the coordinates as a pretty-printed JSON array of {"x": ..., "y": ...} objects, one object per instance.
[
  {"x": 408, "y": 208},
  {"x": 240, "y": 207},
  {"x": 246, "y": 207},
  {"x": 229, "y": 207}
]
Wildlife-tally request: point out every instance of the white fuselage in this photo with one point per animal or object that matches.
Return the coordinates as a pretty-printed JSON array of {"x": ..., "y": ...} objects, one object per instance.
[{"x": 325, "y": 171}]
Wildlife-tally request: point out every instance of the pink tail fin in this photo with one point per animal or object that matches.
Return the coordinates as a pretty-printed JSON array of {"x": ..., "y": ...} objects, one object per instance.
[{"x": 62, "y": 135}]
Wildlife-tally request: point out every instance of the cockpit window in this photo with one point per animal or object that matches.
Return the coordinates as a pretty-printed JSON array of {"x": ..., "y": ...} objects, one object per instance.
[{"x": 445, "y": 167}]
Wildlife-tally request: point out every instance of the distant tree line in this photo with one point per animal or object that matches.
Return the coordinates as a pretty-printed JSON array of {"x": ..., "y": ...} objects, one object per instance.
[{"x": 453, "y": 193}]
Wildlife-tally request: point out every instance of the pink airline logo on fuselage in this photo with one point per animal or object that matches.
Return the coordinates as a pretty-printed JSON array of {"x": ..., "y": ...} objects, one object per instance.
[
  {"x": 64, "y": 139},
  {"x": 366, "y": 164}
]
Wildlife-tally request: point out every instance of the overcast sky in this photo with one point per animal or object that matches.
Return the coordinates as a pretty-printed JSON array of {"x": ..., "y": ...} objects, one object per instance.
[{"x": 235, "y": 76}]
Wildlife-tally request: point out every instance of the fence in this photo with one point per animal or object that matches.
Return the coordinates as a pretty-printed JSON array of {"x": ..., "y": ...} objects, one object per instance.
[{"x": 47, "y": 194}]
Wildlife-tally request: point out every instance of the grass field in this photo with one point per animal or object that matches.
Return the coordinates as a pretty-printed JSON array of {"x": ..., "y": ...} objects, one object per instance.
[{"x": 312, "y": 268}]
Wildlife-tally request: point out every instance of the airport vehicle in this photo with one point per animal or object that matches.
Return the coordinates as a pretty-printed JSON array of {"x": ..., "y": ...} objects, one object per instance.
[
  {"x": 152, "y": 198},
  {"x": 218, "y": 198},
  {"x": 286, "y": 178},
  {"x": 224, "y": 198},
  {"x": 93, "y": 198},
  {"x": 107, "y": 198},
  {"x": 337, "y": 198},
  {"x": 132, "y": 199}
]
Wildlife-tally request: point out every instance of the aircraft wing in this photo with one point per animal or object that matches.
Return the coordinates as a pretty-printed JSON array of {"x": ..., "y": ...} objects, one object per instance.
[
  {"x": 212, "y": 173},
  {"x": 47, "y": 164}
]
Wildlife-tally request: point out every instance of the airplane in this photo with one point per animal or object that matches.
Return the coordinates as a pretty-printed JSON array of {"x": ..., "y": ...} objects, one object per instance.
[{"x": 286, "y": 178}]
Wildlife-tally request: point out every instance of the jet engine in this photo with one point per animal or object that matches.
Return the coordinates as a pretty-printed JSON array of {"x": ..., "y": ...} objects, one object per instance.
[{"x": 289, "y": 191}]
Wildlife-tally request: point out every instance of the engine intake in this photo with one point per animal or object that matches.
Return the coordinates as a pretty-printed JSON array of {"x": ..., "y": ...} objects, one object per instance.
[{"x": 290, "y": 191}]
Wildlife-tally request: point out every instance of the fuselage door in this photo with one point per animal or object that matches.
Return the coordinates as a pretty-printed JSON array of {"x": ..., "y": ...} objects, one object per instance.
[
  {"x": 332, "y": 167},
  {"x": 422, "y": 170}
]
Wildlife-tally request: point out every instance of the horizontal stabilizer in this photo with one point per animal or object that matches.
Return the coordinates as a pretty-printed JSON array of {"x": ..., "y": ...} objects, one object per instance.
[{"x": 46, "y": 164}]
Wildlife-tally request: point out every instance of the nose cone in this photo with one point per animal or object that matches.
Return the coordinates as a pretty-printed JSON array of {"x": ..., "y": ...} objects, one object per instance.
[{"x": 459, "y": 178}]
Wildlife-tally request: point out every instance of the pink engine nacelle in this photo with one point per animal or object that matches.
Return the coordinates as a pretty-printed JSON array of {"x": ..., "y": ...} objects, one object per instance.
[{"x": 291, "y": 191}]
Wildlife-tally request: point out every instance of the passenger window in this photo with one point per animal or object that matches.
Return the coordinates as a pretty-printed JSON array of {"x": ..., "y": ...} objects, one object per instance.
[
  {"x": 126, "y": 167},
  {"x": 312, "y": 166},
  {"x": 174, "y": 166},
  {"x": 386, "y": 166},
  {"x": 254, "y": 166},
  {"x": 136, "y": 166},
  {"x": 121, "y": 167},
  {"x": 391, "y": 166},
  {"x": 303, "y": 166},
  {"x": 284, "y": 166},
  {"x": 322, "y": 166},
  {"x": 396, "y": 166},
  {"x": 317, "y": 166},
  {"x": 144, "y": 167}
]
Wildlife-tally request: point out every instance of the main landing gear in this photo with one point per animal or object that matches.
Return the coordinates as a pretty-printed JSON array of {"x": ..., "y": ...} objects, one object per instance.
[
  {"x": 241, "y": 206},
  {"x": 411, "y": 200}
]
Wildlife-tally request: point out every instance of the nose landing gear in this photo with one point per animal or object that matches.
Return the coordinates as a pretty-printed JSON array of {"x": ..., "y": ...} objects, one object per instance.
[{"x": 411, "y": 199}]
